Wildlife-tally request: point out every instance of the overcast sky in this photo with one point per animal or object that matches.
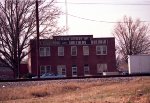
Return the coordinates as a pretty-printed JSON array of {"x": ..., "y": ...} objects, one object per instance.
[{"x": 101, "y": 10}]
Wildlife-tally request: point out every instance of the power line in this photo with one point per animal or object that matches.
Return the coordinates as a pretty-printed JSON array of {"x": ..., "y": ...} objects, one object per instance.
[
  {"x": 98, "y": 3},
  {"x": 83, "y": 18},
  {"x": 90, "y": 19},
  {"x": 97, "y": 20}
]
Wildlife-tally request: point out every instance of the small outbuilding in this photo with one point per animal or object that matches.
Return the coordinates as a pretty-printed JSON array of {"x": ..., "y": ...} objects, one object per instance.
[{"x": 5, "y": 72}]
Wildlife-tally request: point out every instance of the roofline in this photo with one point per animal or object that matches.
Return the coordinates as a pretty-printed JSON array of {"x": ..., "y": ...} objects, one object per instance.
[
  {"x": 103, "y": 37},
  {"x": 71, "y": 35},
  {"x": 77, "y": 36}
]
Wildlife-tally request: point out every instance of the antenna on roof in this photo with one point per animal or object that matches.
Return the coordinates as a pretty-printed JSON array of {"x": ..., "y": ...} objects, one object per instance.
[{"x": 66, "y": 7}]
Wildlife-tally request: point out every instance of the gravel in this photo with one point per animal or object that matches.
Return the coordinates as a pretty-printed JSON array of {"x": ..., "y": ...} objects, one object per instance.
[{"x": 35, "y": 83}]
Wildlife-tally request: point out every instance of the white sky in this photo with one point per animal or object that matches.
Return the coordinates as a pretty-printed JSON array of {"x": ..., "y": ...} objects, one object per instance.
[{"x": 101, "y": 12}]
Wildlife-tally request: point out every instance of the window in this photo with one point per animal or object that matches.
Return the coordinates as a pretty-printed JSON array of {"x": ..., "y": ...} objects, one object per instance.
[
  {"x": 85, "y": 50},
  {"x": 73, "y": 50},
  {"x": 41, "y": 51},
  {"x": 104, "y": 50},
  {"x": 86, "y": 69},
  {"x": 44, "y": 51},
  {"x": 74, "y": 70},
  {"x": 101, "y": 68},
  {"x": 45, "y": 69},
  {"x": 60, "y": 51},
  {"x": 47, "y": 51},
  {"x": 42, "y": 70},
  {"x": 101, "y": 50},
  {"x": 48, "y": 69},
  {"x": 61, "y": 70}
]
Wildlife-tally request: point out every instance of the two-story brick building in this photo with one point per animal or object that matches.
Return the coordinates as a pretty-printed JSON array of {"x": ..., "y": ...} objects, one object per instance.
[{"x": 73, "y": 55}]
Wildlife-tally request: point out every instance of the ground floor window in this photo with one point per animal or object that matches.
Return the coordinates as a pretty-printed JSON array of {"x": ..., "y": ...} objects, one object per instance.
[
  {"x": 61, "y": 70},
  {"x": 86, "y": 69},
  {"x": 101, "y": 67},
  {"x": 45, "y": 69},
  {"x": 74, "y": 70}
]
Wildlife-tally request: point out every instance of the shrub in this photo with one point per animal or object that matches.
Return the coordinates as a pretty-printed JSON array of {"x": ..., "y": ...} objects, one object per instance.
[{"x": 28, "y": 75}]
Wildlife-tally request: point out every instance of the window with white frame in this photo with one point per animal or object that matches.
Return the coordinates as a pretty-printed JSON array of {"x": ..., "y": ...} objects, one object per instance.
[
  {"x": 85, "y": 50},
  {"x": 44, "y": 51},
  {"x": 45, "y": 69},
  {"x": 101, "y": 50},
  {"x": 101, "y": 68},
  {"x": 60, "y": 51},
  {"x": 74, "y": 70},
  {"x": 61, "y": 70},
  {"x": 86, "y": 69},
  {"x": 73, "y": 50}
]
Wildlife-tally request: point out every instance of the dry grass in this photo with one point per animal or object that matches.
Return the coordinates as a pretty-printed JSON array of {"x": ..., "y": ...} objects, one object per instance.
[{"x": 134, "y": 91}]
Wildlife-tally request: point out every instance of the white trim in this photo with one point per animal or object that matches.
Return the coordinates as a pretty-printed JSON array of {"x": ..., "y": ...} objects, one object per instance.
[
  {"x": 100, "y": 48},
  {"x": 102, "y": 67},
  {"x": 74, "y": 71},
  {"x": 45, "y": 68},
  {"x": 44, "y": 51},
  {"x": 60, "y": 50},
  {"x": 60, "y": 67},
  {"x": 88, "y": 70},
  {"x": 85, "y": 50}
]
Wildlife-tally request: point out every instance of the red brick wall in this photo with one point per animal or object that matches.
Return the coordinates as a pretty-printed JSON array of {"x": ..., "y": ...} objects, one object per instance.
[{"x": 23, "y": 69}]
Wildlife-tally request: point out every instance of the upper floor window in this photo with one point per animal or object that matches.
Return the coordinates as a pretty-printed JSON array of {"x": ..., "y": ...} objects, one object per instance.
[
  {"x": 85, "y": 50},
  {"x": 101, "y": 68},
  {"x": 101, "y": 50},
  {"x": 44, "y": 51},
  {"x": 45, "y": 69},
  {"x": 60, "y": 51},
  {"x": 73, "y": 51}
]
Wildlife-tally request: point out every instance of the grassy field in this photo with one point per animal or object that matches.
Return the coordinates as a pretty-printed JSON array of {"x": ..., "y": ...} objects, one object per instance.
[{"x": 136, "y": 90}]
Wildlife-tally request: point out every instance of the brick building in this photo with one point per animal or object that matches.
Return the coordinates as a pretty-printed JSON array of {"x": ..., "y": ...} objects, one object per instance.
[{"x": 74, "y": 55}]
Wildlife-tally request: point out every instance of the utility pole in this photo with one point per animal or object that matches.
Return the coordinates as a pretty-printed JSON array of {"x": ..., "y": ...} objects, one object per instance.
[
  {"x": 37, "y": 38},
  {"x": 18, "y": 37}
]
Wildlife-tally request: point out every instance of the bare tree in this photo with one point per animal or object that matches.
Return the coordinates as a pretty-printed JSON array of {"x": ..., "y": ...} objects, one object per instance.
[
  {"x": 132, "y": 37},
  {"x": 18, "y": 26}
]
